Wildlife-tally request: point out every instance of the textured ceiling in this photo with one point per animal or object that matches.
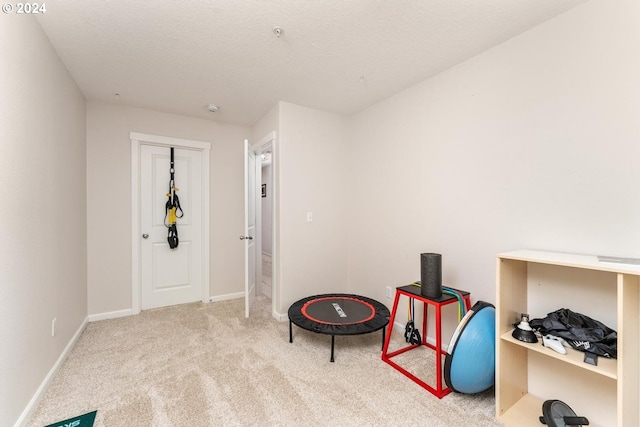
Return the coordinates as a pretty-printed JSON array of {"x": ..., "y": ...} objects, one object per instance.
[{"x": 335, "y": 55}]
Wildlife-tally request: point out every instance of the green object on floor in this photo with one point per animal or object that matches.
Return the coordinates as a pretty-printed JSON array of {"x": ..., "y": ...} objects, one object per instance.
[{"x": 85, "y": 420}]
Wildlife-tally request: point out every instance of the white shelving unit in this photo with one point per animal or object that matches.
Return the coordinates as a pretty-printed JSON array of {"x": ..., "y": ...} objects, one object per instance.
[{"x": 538, "y": 283}]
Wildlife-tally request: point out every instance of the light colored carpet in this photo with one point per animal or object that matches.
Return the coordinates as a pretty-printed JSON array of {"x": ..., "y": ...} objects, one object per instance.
[{"x": 206, "y": 365}]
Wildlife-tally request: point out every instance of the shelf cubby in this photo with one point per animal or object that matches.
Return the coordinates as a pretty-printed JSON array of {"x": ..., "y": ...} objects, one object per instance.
[{"x": 537, "y": 283}]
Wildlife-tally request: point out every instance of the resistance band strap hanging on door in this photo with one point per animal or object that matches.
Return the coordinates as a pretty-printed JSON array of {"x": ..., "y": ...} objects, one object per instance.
[{"x": 171, "y": 208}]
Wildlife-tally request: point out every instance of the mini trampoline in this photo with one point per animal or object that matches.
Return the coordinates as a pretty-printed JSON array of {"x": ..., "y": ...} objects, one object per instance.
[{"x": 338, "y": 314}]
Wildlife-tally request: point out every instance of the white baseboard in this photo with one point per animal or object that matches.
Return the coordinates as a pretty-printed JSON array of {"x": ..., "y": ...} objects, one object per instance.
[
  {"x": 130, "y": 312},
  {"x": 110, "y": 315},
  {"x": 279, "y": 316},
  {"x": 28, "y": 411},
  {"x": 226, "y": 297}
]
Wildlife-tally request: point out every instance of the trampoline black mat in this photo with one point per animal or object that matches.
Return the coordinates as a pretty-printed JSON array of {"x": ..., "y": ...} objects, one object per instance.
[{"x": 338, "y": 314}]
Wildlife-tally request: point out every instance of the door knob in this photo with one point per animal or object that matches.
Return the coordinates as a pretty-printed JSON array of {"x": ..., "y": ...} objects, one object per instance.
[
  {"x": 145, "y": 236},
  {"x": 246, "y": 237}
]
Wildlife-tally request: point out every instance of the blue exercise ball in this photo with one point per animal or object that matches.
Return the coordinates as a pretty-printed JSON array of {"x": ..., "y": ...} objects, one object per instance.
[{"x": 470, "y": 363}]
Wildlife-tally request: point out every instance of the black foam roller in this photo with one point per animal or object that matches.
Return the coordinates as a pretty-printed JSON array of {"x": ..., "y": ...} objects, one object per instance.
[{"x": 431, "y": 275}]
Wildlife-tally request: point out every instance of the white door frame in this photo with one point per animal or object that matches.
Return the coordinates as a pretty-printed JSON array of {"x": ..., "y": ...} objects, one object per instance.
[
  {"x": 270, "y": 141},
  {"x": 138, "y": 139}
]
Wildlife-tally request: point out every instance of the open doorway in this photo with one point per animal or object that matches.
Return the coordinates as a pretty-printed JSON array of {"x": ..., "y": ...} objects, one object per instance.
[
  {"x": 266, "y": 158},
  {"x": 265, "y": 292}
]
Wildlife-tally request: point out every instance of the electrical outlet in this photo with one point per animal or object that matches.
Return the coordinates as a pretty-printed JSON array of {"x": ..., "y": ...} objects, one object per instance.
[
  {"x": 53, "y": 327},
  {"x": 388, "y": 291}
]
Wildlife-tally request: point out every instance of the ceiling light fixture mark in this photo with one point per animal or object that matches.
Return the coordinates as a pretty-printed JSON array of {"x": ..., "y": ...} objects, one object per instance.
[
  {"x": 213, "y": 108},
  {"x": 278, "y": 31}
]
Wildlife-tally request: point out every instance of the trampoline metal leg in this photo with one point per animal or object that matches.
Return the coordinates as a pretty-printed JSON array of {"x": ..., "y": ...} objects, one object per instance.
[
  {"x": 290, "y": 333},
  {"x": 333, "y": 337}
]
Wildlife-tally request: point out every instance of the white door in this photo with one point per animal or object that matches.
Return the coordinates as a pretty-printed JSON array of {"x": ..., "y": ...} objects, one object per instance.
[
  {"x": 249, "y": 238},
  {"x": 170, "y": 276}
]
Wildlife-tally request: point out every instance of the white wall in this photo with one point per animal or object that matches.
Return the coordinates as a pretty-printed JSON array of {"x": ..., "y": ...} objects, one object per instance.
[
  {"x": 43, "y": 215},
  {"x": 109, "y": 199},
  {"x": 269, "y": 123},
  {"x": 312, "y": 167},
  {"x": 532, "y": 144}
]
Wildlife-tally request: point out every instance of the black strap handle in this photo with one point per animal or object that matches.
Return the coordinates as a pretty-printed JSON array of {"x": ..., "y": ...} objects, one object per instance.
[
  {"x": 171, "y": 166},
  {"x": 172, "y": 203}
]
